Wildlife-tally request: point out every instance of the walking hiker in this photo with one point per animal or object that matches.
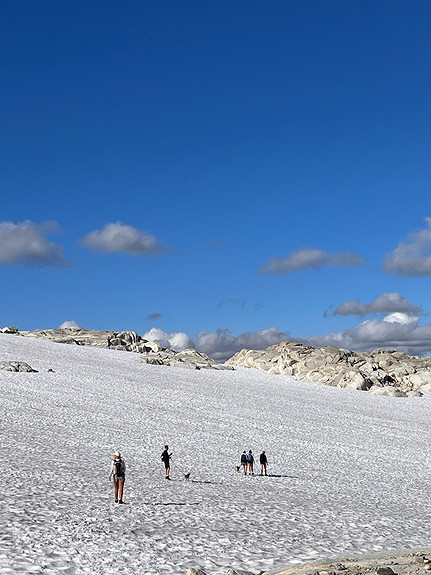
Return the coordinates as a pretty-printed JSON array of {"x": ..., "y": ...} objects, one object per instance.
[
  {"x": 244, "y": 462},
  {"x": 118, "y": 475},
  {"x": 165, "y": 457},
  {"x": 250, "y": 462},
  {"x": 263, "y": 463}
]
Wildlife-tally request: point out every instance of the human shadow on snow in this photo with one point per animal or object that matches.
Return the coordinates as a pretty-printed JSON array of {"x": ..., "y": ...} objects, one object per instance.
[
  {"x": 277, "y": 475},
  {"x": 172, "y": 503},
  {"x": 208, "y": 482}
]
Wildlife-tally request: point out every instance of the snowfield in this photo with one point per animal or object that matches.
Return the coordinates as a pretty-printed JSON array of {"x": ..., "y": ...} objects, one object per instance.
[{"x": 350, "y": 472}]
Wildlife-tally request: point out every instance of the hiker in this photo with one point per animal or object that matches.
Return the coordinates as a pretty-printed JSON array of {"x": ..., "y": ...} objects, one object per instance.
[
  {"x": 118, "y": 474},
  {"x": 244, "y": 462},
  {"x": 263, "y": 463},
  {"x": 250, "y": 462},
  {"x": 165, "y": 457}
]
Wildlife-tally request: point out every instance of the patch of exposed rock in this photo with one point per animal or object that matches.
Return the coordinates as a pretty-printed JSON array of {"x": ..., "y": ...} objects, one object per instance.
[
  {"x": 152, "y": 352},
  {"x": 382, "y": 372},
  {"x": 16, "y": 366},
  {"x": 189, "y": 358}
]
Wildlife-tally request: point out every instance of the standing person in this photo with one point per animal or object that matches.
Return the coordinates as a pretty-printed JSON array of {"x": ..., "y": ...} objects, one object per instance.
[
  {"x": 118, "y": 474},
  {"x": 250, "y": 462},
  {"x": 165, "y": 457},
  {"x": 263, "y": 462},
  {"x": 244, "y": 462}
]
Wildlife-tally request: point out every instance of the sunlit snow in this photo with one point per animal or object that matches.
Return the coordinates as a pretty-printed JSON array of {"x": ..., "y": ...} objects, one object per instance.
[{"x": 350, "y": 472}]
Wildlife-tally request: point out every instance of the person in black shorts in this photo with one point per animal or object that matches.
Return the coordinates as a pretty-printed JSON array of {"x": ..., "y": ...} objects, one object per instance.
[
  {"x": 166, "y": 456},
  {"x": 263, "y": 463},
  {"x": 244, "y": 462},
  {"x": 118, "y": 475}
]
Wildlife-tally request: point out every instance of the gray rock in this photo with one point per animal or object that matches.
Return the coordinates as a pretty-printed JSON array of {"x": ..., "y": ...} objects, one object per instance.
[
  {"x": 9, "y": 329},
  {"x": 16, "y": 366},
  {"x": 397, "y": 373},
  {"x": 385, "y": 571},
  {"x": 195, "y": 571}
]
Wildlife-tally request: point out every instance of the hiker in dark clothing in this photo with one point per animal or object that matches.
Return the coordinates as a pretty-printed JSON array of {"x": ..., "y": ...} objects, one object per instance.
[
  {"x": 263, "y": 463},
  {"x": 244, "y": 462},
  {"x": 118, "y": 475},
  {"x": 166, "y": 456},
  {"x": 250, "y": 462}
]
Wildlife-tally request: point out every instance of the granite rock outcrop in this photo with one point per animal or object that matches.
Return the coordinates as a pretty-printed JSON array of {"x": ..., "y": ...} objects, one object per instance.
[
  {"x": 151, "y": 351},
  {"x": 381, "y": 372}
]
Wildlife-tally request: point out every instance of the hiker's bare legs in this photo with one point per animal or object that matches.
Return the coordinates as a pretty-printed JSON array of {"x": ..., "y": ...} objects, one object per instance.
[
  {"x": 120, "y": 484},
  {"x": 116, "y": 489}
]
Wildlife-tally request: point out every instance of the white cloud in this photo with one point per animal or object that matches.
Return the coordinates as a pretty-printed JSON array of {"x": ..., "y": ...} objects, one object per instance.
[
  {"x": 396, "y": 331},
  {"x": 26, "y": 243},
  {"x": 176, "y": 341},
  {"x": 220, "y": 345},
  {"x": 412, "y": 257},
  {"x": 117, "y": 237},
  {"x": 70, "y": 324},
  {"x": 385, "y": 303},
  {"x": 309, "y": 258}
]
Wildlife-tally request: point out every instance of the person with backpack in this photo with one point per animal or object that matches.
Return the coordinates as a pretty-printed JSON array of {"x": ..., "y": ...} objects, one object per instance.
[
  {"x": 250, "y": 462},
  {"x": 118, "y": 475},
  {"x": 165, "y": 457},
  {"x": 244, "y": 462},
  {"x": 263, "y": 463}
]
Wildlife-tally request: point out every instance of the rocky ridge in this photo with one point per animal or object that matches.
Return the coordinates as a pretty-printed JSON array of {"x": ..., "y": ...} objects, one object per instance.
[
  {"x": 381, "y": 372},
  {"x": 151, "y": 351}
]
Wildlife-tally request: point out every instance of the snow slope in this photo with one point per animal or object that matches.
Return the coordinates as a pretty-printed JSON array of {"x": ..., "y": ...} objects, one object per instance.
[{"x": 350, "y": 471}]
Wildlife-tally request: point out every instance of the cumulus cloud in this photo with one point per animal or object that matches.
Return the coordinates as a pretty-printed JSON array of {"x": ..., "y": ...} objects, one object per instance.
[
  {"x": 154, "y": 316},
  {"x": 309, "y": 258},
  {"x": 117, "y": 237},
  {"x": 385, "y": 303},
  {"x": 220, "y": 345},
  {"x": 176, "y": 341},
  {"x": 397, "y": 330},
  {"x": 70, "y": 325},
  {"x": 26, "y": 243},
  {"x": 412, "y": 257}
]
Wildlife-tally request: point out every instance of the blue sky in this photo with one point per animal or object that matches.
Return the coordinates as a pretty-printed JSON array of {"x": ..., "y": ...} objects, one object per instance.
[{"x": 224, "y": 174}]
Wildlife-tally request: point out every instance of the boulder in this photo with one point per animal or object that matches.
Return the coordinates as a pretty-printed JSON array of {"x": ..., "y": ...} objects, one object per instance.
[
  {"x": 195, "y": 571},
  {"x": 16, "y": 366},
  {"x": 9, "y": 329}
]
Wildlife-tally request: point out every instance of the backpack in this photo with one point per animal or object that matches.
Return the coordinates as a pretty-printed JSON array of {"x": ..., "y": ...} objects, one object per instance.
[
  {"x": 249, "y": 457},
  {"x": 119, "y": 467}
]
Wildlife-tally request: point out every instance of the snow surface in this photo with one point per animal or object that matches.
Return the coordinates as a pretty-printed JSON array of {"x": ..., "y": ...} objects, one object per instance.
[{"x": 350, "y": 471}]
